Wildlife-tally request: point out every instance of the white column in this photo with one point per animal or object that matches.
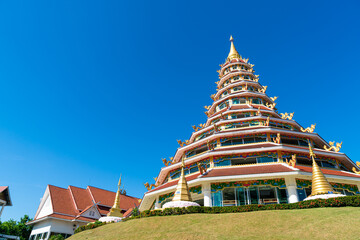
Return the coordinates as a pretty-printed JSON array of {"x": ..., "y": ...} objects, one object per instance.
[
  {"x": 157, "y": 204},
  {"x": 292, "y": 189},
  {"x": 206, "y": 189}
]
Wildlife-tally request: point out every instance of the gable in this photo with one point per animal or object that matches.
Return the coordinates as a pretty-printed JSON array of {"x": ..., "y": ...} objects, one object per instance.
[
  {"x": 91, "y": 212},
  {"x": 45, "y": 207}
]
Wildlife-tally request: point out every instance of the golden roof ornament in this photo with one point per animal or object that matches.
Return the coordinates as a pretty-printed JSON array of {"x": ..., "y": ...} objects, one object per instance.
[
  {"x": 182, "y": 190},
  {"x": 115, "y": 211},
  {"x": 233, "y": 53},
  {"x": 320, "y": 184}
]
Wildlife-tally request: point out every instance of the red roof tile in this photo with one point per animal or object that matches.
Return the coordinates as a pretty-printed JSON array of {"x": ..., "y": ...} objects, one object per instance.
[
  {"x": 69, "y": 203},
  {"x": 172, "y": 183},
  {"x": 62, "y": 201},
  {"x": 328, "y": 171},
  {"x": 244, "y": 170},
  {"x": 104, "y": 197},
  {"x": 81, "y": 197}
]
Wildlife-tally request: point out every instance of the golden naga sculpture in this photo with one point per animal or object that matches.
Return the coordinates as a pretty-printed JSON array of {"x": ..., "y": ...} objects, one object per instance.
[
  {"x": 207, "y": 107},
  {"x": 263, "y": 90},
  {"x": 217, "y": 82},
  {"x": 183, "y": 143},
  {"x": 332, "y": 147},
  {"x": 271, "y": 105},
  {"x": 277, "y": 139},
  {"x": 287, "y": 115},
  {"x": 166, "y": 162},
  {"x": 216, "y": 127},
  {"x": 292, "y": 162},
  {"x": 201, "y": 126},
  {"x": 212, "y": 97},
  {"x": 207, "y": 114},
  {"x": 223, "y": 117},
  {"x": 251, "y": 65},
  {"x": 202, "y": 168},
  {"x": 309, "y": 129},
  {"x": 273, "y": 98},
  {"x": 149, "y": 186},
  {"x": 210, "y": 146},
  {"x": 267, "y": 123},
  {"x": 354, "y": 169},
  {"x": 246, "y": 60},
  {"x": 258, "y": 113}
]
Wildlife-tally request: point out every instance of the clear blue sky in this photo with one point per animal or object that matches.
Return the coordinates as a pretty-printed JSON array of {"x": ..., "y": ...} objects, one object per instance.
[{"x": 92, "y": 89}]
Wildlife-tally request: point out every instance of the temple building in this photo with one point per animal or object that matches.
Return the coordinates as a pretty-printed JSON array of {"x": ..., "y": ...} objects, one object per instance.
[
  {"x": 249, "y": 153},
  {"x": 62, "y": 210},
  {"x": 4, "y": 198}
]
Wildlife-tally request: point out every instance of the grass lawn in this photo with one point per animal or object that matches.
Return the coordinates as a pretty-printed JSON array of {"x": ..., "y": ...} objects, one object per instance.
[{"x": 319, "y": 223}]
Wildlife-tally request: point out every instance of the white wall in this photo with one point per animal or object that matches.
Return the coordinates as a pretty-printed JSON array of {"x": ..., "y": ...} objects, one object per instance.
[{"x": 46, "y": 208}]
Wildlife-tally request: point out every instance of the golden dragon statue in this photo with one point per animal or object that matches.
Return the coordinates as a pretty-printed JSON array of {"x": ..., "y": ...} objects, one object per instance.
[
  {"x": 309, "y": 129},
  {"x": 292, "y": 162},
  {"x": 263, "y": 90},
  {"x": 287, "y": 115},
  {"x": 167, "y": 162},
  {"x": 333, "y": 147},
  {"x": 183, "y": 143},
  {"x": 354, "y": 169},
  {"x": 277, "y": 139}
]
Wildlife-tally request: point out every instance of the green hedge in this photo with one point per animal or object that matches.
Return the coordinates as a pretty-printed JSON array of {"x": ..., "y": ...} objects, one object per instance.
[
  {"x": 353, "y": 201},
  {"x": 90, "y": 226}
]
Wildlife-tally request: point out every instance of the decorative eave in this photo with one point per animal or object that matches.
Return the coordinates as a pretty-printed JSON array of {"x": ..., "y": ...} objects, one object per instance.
[
  {"x": 235, "y": 84},
  {"x": 228, "y": 121},
  {"x": 257, "y": 147},
  {"x": 233, "y": 74}
]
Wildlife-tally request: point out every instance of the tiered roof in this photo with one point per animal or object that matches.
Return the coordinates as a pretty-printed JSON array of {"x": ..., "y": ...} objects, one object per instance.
[
  {"x": 242, "y": 109},
  {"x": 72, "y": 203}
]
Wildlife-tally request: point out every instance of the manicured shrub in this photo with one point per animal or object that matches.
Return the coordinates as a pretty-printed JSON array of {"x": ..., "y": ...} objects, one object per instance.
[{"x": 353, "y": 201}]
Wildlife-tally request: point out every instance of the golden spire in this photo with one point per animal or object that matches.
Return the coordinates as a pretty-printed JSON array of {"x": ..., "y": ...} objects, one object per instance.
[
  {"x": 233, "y": 53},
  {"x": 320, "y": 184},
  {"x": 182, "y": 190},
  {"x": 115, "y": 211}
]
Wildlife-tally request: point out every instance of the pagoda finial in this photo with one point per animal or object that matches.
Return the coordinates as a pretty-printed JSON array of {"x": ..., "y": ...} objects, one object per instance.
[
  {"x": 115, "y": 211},
  {"x": 233, "y": 53},
  {"x": 182, "y": 190},
  {"x": 320, "y": 184}
]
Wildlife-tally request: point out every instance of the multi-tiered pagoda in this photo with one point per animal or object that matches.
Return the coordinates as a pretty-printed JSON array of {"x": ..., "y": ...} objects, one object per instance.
[{"x": 247, "y": 152}]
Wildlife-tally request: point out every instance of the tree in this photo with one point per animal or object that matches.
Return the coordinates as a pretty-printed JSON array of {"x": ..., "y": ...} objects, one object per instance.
[{"x": 20, "y": 229}]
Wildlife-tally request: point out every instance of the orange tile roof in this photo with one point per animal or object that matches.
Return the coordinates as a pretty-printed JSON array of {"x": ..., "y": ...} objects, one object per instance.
[
  {"x": 244, "y": 170},
  {"x": 172, "y": 183},
  {"x": 329, "y": 171},
  {"x": 70, "y": 203}
]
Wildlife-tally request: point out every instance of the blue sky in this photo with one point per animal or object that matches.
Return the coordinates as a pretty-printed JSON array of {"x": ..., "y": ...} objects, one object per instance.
[{"x": 92, "y": 89}]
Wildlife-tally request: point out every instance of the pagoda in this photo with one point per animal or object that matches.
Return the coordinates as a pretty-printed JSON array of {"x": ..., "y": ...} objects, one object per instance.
[{"x": 249, "y": 153}]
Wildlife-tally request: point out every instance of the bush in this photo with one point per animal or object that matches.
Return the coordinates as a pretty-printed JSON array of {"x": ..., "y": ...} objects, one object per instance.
[
  {"x": 90, "y": 226},
  {"x": 57, "y": 237},
  {"x": 349, "y": 201}
]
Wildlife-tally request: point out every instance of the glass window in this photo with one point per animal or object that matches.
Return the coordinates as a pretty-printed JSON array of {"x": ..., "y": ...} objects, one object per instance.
[
  {"x": 253, "y": 195},
  {"x": 216, "y": 199},
  {"x": 45, "y": 235},
  {"x": 266, "y": 159},
  {"x": 229, "y": 197},
  {"x": 32, "y": 237},
  {"x": 236, "y": 101},
  {"x": 241, "y": 196},
  {"x": 267, "y": 195},
  {"x": 282, "y": 195},
  {"x": 256, "y": 101},
  {"x": 301, "y": 194},
  {"x": 327, "y": 164},
  {"x": 223, "y": 163}
]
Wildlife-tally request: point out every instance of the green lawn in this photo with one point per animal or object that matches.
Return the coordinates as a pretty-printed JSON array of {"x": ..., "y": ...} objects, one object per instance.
[{"x": 319, "y": 223}]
